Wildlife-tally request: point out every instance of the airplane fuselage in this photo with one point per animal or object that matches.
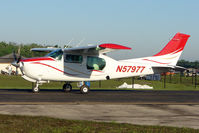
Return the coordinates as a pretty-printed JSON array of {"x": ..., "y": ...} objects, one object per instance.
[{"x": 50, "y": 69}]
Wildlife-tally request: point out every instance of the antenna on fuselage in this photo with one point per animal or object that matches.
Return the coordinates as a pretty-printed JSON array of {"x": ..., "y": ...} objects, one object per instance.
[
  {"x": 67, "y": 45},
  {"x": 80, "y": 42},
  {"x": 70, "y": 41}
]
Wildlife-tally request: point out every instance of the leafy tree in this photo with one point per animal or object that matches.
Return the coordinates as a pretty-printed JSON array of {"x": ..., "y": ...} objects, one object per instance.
[
  {"x": 24, "y": 49},
  {"x": 188, "y": 64},
  {"x": 7, "y": 48}
]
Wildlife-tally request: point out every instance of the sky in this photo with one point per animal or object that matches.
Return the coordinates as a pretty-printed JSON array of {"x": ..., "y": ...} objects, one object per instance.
[{"x": 144, "y": 25}]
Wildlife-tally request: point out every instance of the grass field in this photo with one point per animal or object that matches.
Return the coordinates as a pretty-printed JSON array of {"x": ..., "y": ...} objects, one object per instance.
[
  {"x": 28, "y": 124},
  {"x": 17, "y": 82}
]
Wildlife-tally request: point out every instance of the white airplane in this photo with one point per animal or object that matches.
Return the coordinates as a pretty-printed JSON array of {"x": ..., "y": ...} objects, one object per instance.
[{"x": 90, "y": 63}]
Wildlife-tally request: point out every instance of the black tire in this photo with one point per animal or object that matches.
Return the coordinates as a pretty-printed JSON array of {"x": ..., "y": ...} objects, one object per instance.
[
  {"x": 35, "y": 90},
  {"x": 84, "y": 89},
  {"x": 67, "y": 88}
]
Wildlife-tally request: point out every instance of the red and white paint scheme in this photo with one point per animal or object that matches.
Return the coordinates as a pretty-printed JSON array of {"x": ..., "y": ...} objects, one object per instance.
[{"x": 91, "y": 64}]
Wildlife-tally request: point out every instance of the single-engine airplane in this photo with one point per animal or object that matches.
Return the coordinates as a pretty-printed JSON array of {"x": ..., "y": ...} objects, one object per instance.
[{"x": 90, "y": 63}]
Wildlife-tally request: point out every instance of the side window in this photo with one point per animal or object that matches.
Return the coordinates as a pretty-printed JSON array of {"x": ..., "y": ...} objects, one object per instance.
[
  {"x": 69, "y": 58},
  {"x": 95, "y": 63}
]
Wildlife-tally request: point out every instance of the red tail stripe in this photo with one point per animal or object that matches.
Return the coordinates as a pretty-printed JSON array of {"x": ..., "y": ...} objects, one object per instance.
[
  {"x": 176, "y": 43},
  {"x": 179, "y": 50}
]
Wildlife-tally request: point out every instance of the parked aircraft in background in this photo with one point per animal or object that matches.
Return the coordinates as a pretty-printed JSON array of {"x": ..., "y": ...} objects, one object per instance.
[{"x": 90, "y": 63}]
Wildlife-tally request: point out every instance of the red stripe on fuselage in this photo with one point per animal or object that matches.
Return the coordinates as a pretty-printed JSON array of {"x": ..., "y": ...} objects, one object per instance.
[
  {"x": 155, "y": 61},
  {"x": 53, "y": 68},
  {"x": 97, "y": 71}
]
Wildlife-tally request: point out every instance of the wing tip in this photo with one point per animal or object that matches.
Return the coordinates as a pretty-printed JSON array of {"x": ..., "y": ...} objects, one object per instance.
[{"x": 113, "y": 46}]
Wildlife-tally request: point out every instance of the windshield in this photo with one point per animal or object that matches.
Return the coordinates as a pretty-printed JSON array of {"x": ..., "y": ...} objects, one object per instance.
[{"x": 57, "y": 54}]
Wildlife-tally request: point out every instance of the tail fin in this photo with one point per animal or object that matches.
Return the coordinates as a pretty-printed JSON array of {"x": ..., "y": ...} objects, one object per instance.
[
  {"x": 176, "y": 44},
  {"x": 170, "y": 54}
]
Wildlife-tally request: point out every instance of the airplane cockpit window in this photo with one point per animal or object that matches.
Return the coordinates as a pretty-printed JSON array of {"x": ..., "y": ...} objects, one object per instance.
[
  {"x": 69, "y": 58},
  {"x": 57, "y": 54},
  {"x": 95, "y": 63}
]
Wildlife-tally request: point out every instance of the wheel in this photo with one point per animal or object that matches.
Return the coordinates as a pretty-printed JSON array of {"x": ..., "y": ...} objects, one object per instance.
[
  {"x": 67, "y": 87},
  {"x": 35, "y": 90},
  {"x": 84, "y": 89}
]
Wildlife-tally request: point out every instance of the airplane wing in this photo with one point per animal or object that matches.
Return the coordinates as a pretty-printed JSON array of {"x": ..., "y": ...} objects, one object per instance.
[
  {"x": 93, "y": 49},
  {"x": 44, "y": 49},
  {"x": 96, "y": 49}
]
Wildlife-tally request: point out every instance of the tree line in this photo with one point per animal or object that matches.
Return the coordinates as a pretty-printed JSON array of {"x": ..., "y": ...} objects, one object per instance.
[
  {"x": 23, "y": 49},
  {"x": 188, "y": 64}
]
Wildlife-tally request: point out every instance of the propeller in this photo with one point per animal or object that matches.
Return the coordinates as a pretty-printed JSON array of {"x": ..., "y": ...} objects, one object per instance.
[
  {"x": 16, "y": 60},
  {"x": 14, "y": 55}
]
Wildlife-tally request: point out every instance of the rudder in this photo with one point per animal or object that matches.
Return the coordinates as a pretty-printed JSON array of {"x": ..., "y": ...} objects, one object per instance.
[
  {"x": 175, "y": 45},
  {"x": 170, "y": 54}
]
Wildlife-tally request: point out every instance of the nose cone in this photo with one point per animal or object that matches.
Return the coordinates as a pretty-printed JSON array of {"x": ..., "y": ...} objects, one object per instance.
[
  {"x": 15, "y": 64},
  {"x": 21, "y": 67}
]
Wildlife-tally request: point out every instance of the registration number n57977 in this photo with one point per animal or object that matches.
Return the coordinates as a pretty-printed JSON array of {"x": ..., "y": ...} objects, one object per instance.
[{"x": 131, "y": 69}]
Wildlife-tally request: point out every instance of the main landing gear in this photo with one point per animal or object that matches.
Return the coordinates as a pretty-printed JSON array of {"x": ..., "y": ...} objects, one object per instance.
[
  {"x": 67, "y": 87},
  {"x": 84, "y": 89}
]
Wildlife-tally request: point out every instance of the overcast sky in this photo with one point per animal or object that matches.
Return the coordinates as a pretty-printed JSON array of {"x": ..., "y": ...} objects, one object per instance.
[{"x": 144, "y": 25}]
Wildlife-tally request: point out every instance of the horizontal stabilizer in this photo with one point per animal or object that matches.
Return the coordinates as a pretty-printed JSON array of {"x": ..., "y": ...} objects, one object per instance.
[{"x": 161, "y": 69}]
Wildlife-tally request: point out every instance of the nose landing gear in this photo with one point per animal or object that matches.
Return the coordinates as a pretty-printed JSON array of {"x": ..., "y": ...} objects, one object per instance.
[{"x": 36, "y": 89}]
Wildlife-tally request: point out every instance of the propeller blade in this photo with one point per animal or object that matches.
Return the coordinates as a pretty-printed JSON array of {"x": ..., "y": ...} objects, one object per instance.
[
  {"x": 14, "y": 55},
  {"x": 18, "y": 60}
]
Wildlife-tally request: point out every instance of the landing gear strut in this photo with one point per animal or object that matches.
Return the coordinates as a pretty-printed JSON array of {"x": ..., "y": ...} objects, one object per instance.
[
  {"x": 67, "y": 87},
  {"x": 36, "y": 88}
]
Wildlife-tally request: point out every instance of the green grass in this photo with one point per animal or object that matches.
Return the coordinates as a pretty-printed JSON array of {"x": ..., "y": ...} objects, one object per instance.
[
  {"x": 28, "y": 124},
  {"x": 17, "y": 82},
  {"x": 157, "y": 85}
]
